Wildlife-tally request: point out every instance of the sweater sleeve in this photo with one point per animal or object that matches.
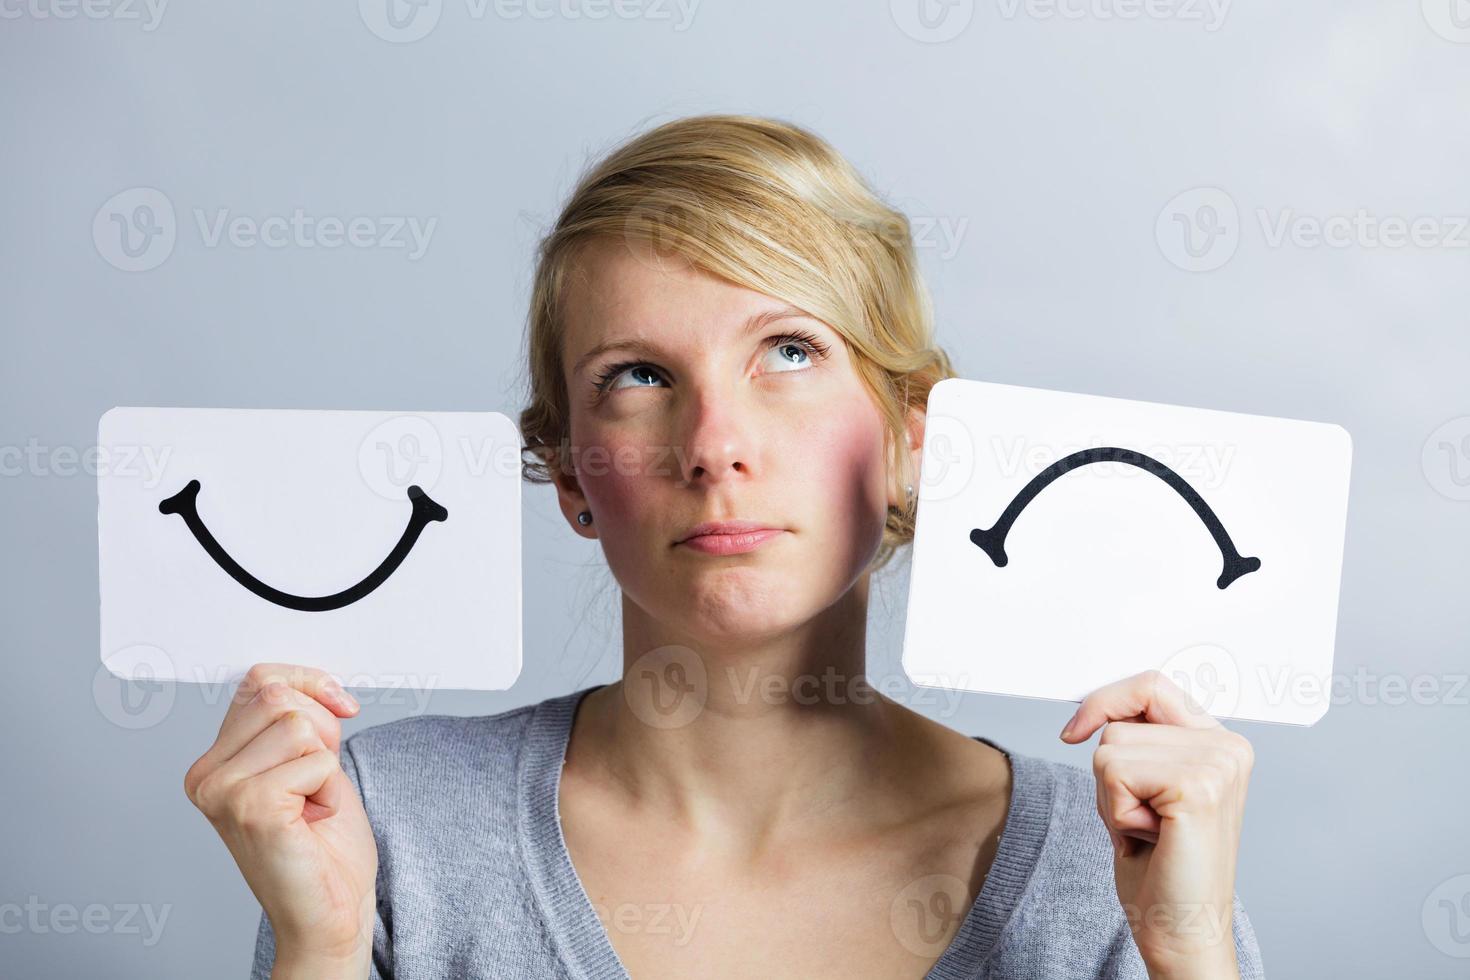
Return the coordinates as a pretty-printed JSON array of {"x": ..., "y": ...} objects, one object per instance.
[
  {"x": 1069, "y": 921},
  {"x": 1247, "y": 951},
  {"x": 265, "y": 940},
  {"x": 1124, "y": 962}
]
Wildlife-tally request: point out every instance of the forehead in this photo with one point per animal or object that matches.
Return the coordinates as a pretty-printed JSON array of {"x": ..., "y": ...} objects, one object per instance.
[
  {"x": 617, "y": 287},
  {"x": 613, "y": 276}
]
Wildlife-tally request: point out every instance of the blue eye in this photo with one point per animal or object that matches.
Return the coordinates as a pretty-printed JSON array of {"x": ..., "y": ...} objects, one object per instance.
[
  {"x": 631, "y": 367},
  {"x": 802, "y": 354},
  {"x": 797, "y": 351}
]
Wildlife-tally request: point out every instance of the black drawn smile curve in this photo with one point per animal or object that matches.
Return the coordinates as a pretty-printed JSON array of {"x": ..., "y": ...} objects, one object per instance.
[
  {"x": 185, "y": 504},
  {"x": 992, "y": 540}
]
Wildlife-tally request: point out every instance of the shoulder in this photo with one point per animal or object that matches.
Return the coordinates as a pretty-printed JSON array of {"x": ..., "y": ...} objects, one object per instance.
[
  {"x": 1057, "y": 824},
  {"x": 1068, "y": 897},
  {"x": 439, "y": 743},
  {"x": 430, "y": 767},
  {"x": 1076, "y": 836}
]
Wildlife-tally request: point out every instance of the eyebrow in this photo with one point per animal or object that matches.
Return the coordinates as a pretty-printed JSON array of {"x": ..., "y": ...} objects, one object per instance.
[{"x": 752, "y": 324}]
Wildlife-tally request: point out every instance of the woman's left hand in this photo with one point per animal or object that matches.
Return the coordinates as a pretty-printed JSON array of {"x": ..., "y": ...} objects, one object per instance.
[{"x": 1171, "y": 787}]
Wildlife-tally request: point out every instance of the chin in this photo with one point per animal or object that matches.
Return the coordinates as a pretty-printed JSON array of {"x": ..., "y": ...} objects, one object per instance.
[{"x": 739, "y": 602}]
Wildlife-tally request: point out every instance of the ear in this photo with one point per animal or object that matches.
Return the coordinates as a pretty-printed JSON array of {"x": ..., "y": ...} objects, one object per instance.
[
  {"x": 914, "y": 433},
  {"x": 570, "y": 498}
]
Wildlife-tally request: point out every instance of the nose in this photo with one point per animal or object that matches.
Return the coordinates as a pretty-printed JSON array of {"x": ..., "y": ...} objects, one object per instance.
[{"x": 719, "y": 446}]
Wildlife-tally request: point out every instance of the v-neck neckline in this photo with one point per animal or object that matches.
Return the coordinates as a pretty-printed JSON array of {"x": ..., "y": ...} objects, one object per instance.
[{"x": 578, "y": 935}]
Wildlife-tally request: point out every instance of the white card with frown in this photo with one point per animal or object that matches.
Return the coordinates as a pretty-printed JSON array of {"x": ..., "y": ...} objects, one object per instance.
[
  {"x": 384, "y": 547},
  {"x": 1066, "y": 541}
]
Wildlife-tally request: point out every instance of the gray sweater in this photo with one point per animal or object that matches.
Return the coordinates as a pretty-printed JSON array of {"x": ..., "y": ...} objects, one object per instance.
[{"x": 474, "y": 879}]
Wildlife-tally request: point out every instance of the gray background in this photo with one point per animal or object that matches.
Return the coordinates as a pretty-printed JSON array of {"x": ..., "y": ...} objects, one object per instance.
[{"x": 1054, "y": 142}]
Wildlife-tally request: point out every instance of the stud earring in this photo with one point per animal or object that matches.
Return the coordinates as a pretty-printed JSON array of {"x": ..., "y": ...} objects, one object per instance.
[
  {"x": 908, "y": 490},
  {"x": 584, "y": 518}
]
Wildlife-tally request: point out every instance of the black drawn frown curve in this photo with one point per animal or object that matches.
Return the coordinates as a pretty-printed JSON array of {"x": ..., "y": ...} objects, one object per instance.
[
  {"x": 185, "y": 504},
  {"x": 992, "y": 540}
]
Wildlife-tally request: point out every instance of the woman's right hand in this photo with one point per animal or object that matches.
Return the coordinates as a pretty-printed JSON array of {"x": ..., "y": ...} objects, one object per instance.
[{"x": 273, "y": 787}]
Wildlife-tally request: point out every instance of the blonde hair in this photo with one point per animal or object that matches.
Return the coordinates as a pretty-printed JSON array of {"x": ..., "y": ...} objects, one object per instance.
[{"x": 769, "y": 206}]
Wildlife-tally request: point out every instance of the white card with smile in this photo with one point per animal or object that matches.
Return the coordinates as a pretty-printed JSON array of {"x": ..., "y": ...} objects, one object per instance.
[
  {"x": 384, "y": 547},
  {"x": 1066, "y": 541}
]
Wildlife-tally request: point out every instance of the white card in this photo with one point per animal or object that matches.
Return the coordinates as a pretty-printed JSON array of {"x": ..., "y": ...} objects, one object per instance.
[
  {"x": 1066, "y": 541},
  {"x": 384, "y": 547}
]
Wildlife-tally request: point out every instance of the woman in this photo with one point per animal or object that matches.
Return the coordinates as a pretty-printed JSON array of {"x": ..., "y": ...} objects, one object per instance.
[{"x": 730, "y": 355}]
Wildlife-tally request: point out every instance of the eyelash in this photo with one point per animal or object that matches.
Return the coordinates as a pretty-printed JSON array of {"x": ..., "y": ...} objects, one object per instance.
[{"x": 815, "y": 348}]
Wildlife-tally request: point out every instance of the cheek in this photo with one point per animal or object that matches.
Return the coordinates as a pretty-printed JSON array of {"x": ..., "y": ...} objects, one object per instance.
[
  {"x": 840, "y": 462},
  {"x": 614, "y": 468},
  {"x": 830, "y": 469}
]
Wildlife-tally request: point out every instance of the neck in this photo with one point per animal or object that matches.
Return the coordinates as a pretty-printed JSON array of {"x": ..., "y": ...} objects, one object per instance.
[{"x": 772, "y": 731}]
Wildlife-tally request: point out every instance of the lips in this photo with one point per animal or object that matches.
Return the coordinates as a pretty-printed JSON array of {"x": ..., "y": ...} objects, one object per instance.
[
  {"x": 724, "y": 527},
  {"x": 728, "y": 537}
]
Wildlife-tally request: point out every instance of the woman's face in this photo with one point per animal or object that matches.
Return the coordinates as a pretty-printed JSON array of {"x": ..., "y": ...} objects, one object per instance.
[{"x": 692, "y": 400}]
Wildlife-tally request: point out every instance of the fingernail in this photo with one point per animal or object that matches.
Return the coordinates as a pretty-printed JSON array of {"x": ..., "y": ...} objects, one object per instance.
[
  {"x": 340, "y": 693},
  {"x": 1067, "y": 728}
]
